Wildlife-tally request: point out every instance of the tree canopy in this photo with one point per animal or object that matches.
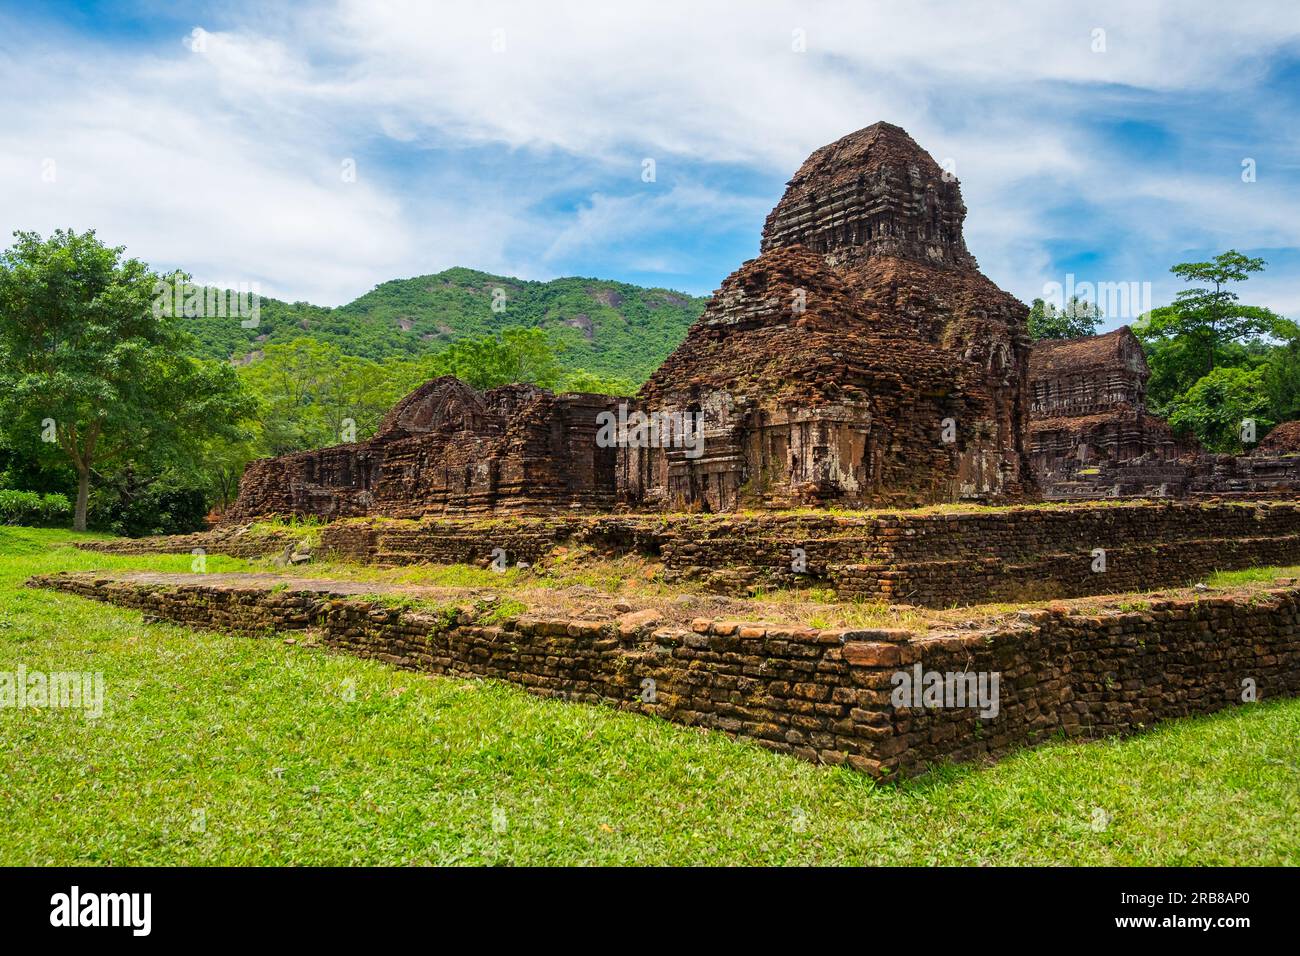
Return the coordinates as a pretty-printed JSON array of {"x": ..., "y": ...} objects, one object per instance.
[
  {"x": 1077, "y": 319},
  {"x": 1210, "y": 316},
  {"x": 88, "y": 368}
]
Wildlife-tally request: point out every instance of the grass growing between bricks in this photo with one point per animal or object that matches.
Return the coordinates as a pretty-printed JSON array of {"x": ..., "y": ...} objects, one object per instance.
[{"x": 227, "y": 750}]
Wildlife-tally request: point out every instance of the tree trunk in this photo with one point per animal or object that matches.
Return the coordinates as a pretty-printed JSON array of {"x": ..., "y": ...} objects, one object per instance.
[{"x": 83, "y": 500}]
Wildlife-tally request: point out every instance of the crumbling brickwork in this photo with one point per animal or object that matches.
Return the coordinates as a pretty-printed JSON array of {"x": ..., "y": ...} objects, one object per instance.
[
  {"x": 233, "y": 541},
  {"x": 861, "y": 359},
  {"x": 447, "y": 448},
  {"x": 1088, "y": 406},
  {"x": 822, "y": 695},
  {"x": 904, "y": 557},
  {"x": 1283, "y": 439},
  {"x": 1091, "y": 434}
]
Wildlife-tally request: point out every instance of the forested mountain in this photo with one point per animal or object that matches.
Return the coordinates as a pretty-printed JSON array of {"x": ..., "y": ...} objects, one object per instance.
[{"x": 605, "y": 327}]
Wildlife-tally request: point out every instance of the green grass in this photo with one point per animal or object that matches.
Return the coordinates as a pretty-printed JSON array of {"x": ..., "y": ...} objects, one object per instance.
[
  {"x": 1232, "y": 579},
  {"x": 217, "y": 749}
]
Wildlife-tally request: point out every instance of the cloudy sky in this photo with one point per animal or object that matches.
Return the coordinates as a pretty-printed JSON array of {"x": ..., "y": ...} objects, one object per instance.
[{"x": 322, "y": 149}]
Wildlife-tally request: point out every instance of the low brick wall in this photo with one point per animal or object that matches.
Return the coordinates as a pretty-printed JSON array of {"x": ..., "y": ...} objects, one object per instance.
[
  {"x": 445, "y": 541},
  {"x": 235, "y": 542},
  {"x": 933, "y": 560},
  {"x": 929, "y": 559},
  {"x": 822, "y": 695}
]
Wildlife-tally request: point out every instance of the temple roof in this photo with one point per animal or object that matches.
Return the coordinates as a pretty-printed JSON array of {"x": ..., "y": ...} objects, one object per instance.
[
  {"x": 1282, "y": 440},
  {"x": 1115, "y": 349},
  {"x": 858, "y": 153},
  {"x": 872, "y": 192}
]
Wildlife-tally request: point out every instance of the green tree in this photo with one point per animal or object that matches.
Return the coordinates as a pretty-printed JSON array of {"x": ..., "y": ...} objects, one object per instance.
[
  {"x": 1281, "y": 378},
  {"x": 220, "y": 464},
  {"x": 580, "y": 380},
  {"x": 309, "y": 395},
  {"x": 1210, "y": 317},
  {"x": 1178, "y": 363},
  {"x": 1214, "y": 408},
  {"x": 1078, "y": 319},
  {"x": 516, "y": 355},
  {"x": 88, "y": 367}
]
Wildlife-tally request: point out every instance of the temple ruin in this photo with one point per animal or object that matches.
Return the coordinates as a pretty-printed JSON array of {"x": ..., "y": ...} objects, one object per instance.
[
  {"x": 1088, "y": 405},
  {"x": 861, "y": 359},
  {"x": 1091, "y": 434},
  {"x": 446, "y": 447}
]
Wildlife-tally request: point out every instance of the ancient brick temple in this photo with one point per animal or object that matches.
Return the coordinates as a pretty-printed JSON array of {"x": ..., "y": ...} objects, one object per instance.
[
  {"x": 446, "y": 447},
  {"x": 1088, "y": 404},
  {"x": 861, "y": 359},
  {"x": 1091, "y": 434}
]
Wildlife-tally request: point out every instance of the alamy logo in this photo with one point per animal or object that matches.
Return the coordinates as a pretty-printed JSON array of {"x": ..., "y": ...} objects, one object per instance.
[
  {"x": 103, "y": 909},
  {"x": 67, "y": 690},
  {"x": 654, "y": 430},
  {"x": 1116, "y": 300},
  {"x": 921, "y": 688}
]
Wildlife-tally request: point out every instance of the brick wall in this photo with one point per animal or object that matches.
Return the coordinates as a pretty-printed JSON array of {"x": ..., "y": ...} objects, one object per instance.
[
  {"x": 235, "y": 542},
  {"x": 933, "y": 560},
  {"x": 822, "y": 695}
]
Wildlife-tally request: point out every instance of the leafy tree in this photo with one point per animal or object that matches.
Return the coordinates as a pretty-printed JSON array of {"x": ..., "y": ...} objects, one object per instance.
[
  {"x": 580, "y": 380},
  {"x": 1214, "y": 408},
  {"x": 87, "y": 367},
  {"x": 1281, "y": 380},
  {"x": 1211, "y": 316},
  {"x": 220, "y": 464},
  {"x": 309, "y": 395},
  {"x": 1178, "y": 363},
  {"x": 516, "y": 355},
  {"x": 135, "y": 505},
  {"x": 1078, "y": 319}
]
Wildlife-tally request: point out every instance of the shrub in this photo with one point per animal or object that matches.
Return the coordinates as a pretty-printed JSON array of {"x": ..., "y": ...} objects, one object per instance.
[
  {"x": 33, "y": 508},
  {"x": 139, "y": 512}
]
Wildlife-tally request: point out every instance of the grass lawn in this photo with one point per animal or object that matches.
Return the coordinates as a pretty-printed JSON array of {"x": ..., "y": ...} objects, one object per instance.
[{"x": 220, "y": 749}]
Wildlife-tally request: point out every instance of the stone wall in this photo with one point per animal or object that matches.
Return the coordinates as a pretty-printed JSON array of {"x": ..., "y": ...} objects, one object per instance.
[
  {"x": 236, "y": 542},
  {"x": 1194, "y": 475},
  {"x": 447, "y": 448},
  {"x": 932, "y": 559},
  {"x": 822, "y": 695}
]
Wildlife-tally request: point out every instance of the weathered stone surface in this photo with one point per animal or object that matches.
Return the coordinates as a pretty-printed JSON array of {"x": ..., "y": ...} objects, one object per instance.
[
  {"x": 860, "y": 359},
  {"x": 1082, "y": 673},
  {"x": 1284, "y": 439},
  {"x": 1091, "y": 434},
  {"x": 903, "y": 557},
  {"x": 447, "y": 448},
  {"x": 1089, "y": 405}
]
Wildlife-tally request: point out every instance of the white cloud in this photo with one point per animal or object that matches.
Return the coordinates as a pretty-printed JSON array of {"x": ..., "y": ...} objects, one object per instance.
[{"x": 227, "y": 162}]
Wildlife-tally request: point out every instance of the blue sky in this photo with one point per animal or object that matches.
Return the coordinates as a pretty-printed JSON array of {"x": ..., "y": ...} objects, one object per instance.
[{"x": 1103, "y": 141}]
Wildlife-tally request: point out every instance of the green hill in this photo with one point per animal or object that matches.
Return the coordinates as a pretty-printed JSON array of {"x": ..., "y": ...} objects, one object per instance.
[{"x": 606, "y": 327}]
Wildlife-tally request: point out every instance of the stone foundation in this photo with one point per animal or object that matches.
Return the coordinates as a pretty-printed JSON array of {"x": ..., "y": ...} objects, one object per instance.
[
  {"x": 823, "y": 695},
  {"x": 904, "y": 557},
  {"x": 236, "y": 542}
]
